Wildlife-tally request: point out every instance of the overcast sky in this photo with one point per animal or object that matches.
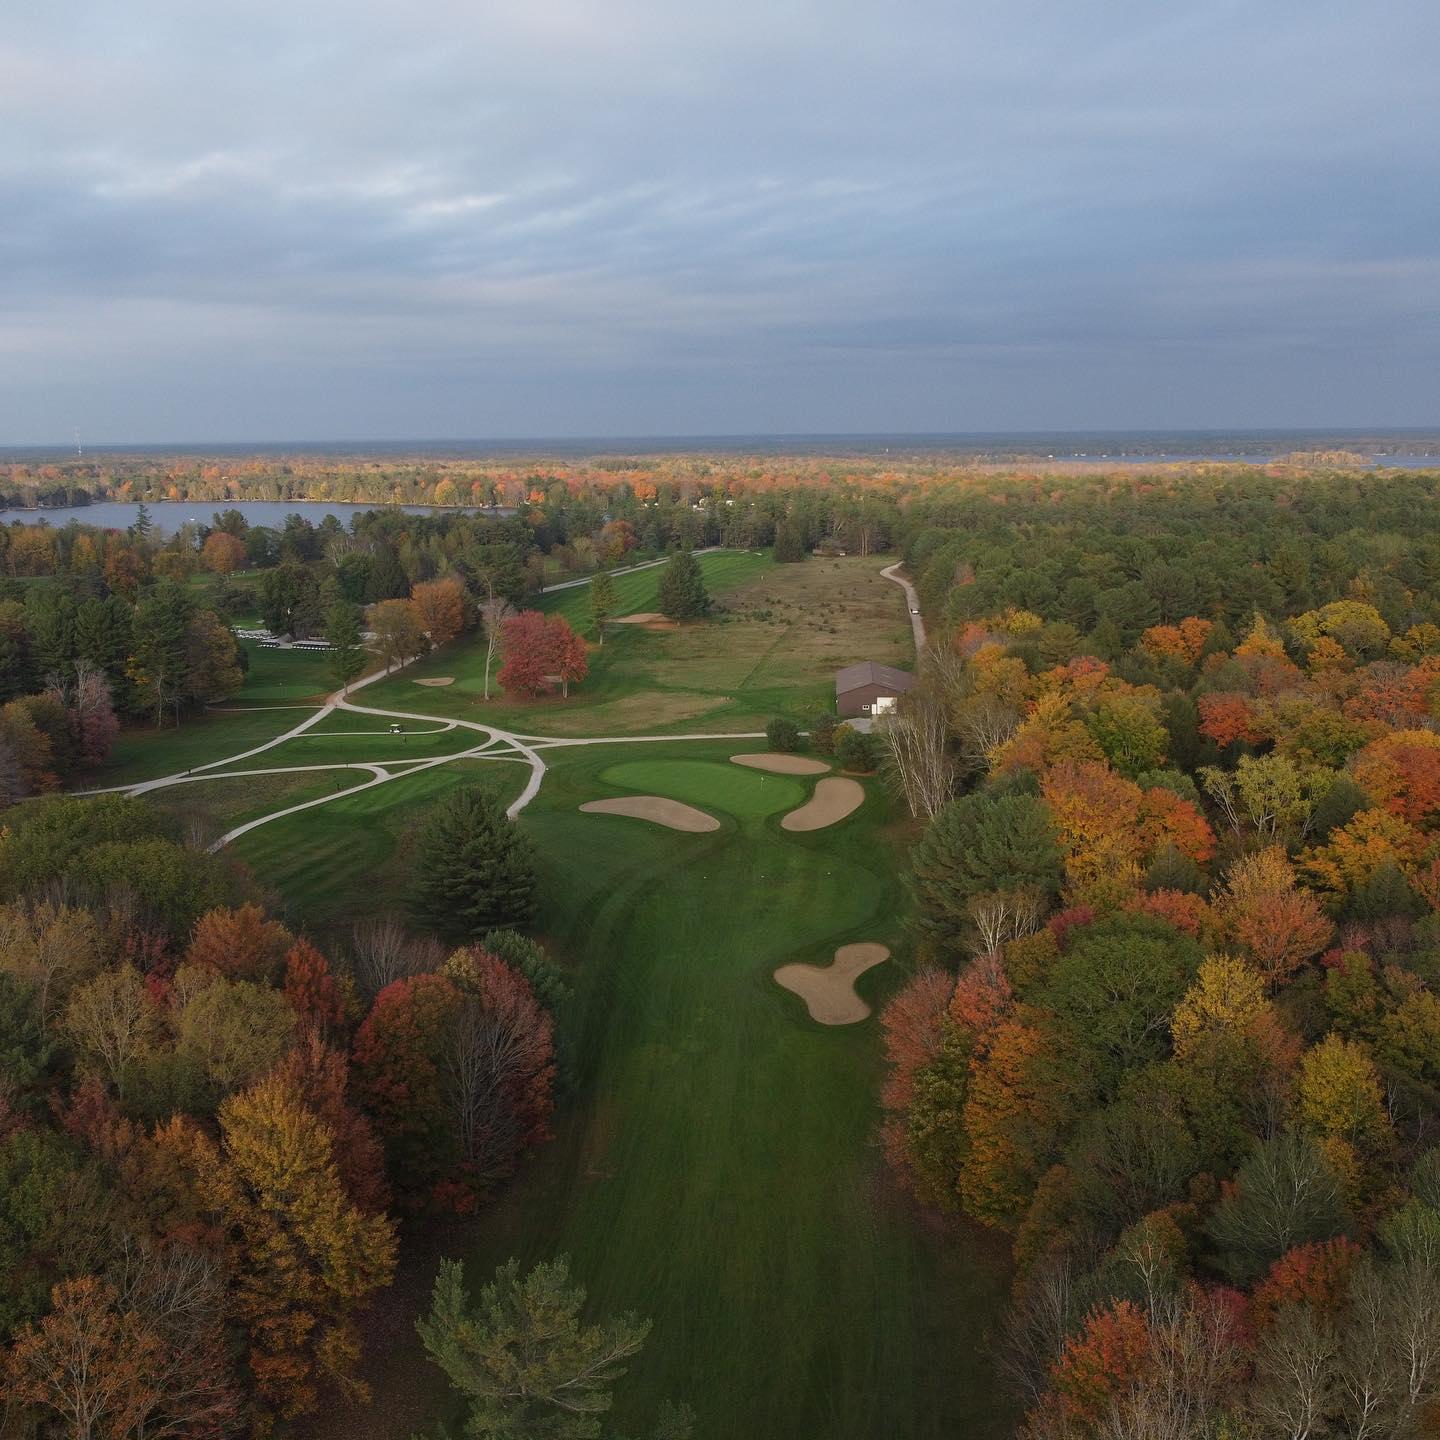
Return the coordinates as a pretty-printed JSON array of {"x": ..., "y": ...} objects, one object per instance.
[{"x": 254, "y": 220}]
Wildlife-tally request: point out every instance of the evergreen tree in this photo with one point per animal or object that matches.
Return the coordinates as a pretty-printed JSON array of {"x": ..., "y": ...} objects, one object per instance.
[
  {"x": 980, "y": 843},
  {"x": 104, "y": 631},
  {"x": 602, "y": 602},
  {"x": 522, "y": 1357},
  {"x": 682, "y": 588},
  {"x": 142, "y": 524},
  {"x": 17, "y": 675},
  {"x": 342, "y": 630},
  {"x": 474, "y": 870},
  {"x": 52, "y": 634},
  {"x": 387, "y": 579},
  {"x": 159, "y": 656}
]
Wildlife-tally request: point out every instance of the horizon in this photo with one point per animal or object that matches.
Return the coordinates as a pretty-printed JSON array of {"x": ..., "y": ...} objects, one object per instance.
[{"x": 930, "y": 439}]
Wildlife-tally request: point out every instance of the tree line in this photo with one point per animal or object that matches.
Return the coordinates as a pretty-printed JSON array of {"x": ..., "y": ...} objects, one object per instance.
[{"x": 1175, "y": 1031}]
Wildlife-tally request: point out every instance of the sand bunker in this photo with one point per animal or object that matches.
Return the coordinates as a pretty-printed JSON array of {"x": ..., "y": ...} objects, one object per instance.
[
  {"x": 781, "y": 764},
  {"x": 832, "y": 801},
  {"x": 656, "y": 809},
  {"x": 641, "y": 617},
  {"x": 438, "y": 680},
  {"x": 829, "y": 990}
]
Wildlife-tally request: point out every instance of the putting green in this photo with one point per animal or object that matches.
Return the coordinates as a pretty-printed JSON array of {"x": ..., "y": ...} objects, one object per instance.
[{"x": 712, "y": 785}]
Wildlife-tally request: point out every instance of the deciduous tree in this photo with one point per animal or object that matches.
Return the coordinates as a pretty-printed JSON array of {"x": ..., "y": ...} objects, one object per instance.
[{"x": 303, "y": 1257}]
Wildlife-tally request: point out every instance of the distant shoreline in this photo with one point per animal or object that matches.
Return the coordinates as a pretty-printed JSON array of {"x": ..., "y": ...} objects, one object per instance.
[{"x": 1228, "y": 445}]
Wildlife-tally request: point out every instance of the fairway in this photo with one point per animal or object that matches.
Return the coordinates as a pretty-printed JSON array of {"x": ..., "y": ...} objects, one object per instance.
[
  {"x": 283, "y": 675},
  {"x": 718, "y": 1170}
]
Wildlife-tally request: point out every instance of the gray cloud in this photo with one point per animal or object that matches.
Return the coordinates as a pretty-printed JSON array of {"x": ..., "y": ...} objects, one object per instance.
[{"x": 546, "y": 217}]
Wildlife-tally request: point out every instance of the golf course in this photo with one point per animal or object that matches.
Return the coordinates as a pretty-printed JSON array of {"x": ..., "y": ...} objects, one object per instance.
[{"x": 714, "y": 1164}]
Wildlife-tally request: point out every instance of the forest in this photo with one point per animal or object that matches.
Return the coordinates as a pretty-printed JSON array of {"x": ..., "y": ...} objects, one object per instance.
[{"x": 1178, "y": 1034}]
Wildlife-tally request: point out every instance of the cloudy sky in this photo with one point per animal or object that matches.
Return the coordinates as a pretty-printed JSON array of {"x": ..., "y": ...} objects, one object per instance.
[{"x": 304, "y": 219}]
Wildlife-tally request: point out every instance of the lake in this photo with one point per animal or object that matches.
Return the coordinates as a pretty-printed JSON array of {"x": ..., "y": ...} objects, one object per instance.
[{"x": 170, "y": 515}]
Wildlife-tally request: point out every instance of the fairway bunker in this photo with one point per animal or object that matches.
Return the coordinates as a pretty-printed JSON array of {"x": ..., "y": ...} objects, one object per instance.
[
  {"x": 656, "y": 809},
  {"x": 640, "y": 617},
  {"x": 829, "y": 990},
  {"x": 437, "y": 680},
  {"x": 834, "y": 799},
  {"x": 781, "y": 764}
]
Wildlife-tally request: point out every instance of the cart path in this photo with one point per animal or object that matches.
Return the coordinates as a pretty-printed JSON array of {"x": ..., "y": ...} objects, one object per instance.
[
  {"x": 917, "y": 620},
  {"x": 497, "y": 744}
]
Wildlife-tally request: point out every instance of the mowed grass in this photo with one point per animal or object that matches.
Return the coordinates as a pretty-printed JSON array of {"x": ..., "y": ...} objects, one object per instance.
[
  {"x": 717, "y": 1169},
  {"x": 639, "y": 592},
  {"x": 283, "y": 675},
  {"x": 334, "y": 864},
  {"x": 731, "y": 789},
  {"x": 779, "y": 634},
  {"x": 143, "y": 752}
]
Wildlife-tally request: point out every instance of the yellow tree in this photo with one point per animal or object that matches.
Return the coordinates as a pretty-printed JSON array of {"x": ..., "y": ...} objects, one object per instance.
[
  {"x": 303, "y": 1257},
  {"x": 1227, "y": 996},
  {"x": 440, "y": 605},
  {"x": 1338, "y": 1099}
]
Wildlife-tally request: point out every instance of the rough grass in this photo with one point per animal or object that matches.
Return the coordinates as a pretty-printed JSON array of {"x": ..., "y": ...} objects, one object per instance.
[
  {"x": 718, "y": 1170},
  {"x": 278, "y": 675},
  {"x": 206, "y": 809},
  {"x": 778, "y": 635}
]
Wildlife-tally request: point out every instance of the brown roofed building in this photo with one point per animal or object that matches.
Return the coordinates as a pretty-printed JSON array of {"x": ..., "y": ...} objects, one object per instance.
[{"x": 869, "y": 689}]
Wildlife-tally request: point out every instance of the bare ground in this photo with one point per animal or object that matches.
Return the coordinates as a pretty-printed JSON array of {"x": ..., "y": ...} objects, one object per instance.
[
  {"x": 834, "y": 799},
  {"x": 671, "y": 813},
  {"x": 781, "y": 764},
  {"x": 829, "y": 990}
]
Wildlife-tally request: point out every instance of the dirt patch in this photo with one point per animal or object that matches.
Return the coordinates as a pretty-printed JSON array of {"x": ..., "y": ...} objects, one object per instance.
[
  {"x": 833, "y": 800},
  {"x": 437, "y": 680},
  {"x": 781, "y": 764},
  {"x": 829, "y": 990},
  {"x": 640, "y": 617},
  {"x": 657, "y": 810}
]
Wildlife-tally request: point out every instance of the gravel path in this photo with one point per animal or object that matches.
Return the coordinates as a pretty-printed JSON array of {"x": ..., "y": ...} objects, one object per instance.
[{"x": 917, "y": 620}]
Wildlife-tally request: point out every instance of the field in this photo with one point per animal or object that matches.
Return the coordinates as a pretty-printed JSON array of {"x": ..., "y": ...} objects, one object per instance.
[
  {"x": 780, "y": 633},
  {"x": 284, "y": 675}
]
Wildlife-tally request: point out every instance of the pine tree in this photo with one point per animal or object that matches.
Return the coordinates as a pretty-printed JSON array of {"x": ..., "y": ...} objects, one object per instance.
[
  {"x": 474, "y": 870},
  {"x": 159, "y": 661},
  {"x": 103, "y": 635},
  {"x": 342, "y": 630},
  {"x": 682, "y": 588},
  {"x": 522, "y": 1356},
  {"x": 602, "y": 602}
]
